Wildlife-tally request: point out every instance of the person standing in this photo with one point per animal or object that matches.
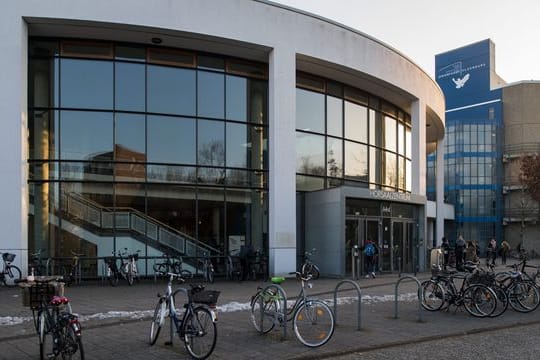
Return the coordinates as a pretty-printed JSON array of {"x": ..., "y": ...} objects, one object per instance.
[
  {"x": 505, "y": 250},
  {"x": 460, "y": 252},
  {"x": 445, "y": 247},
  {"x": 491, "y": 252}
]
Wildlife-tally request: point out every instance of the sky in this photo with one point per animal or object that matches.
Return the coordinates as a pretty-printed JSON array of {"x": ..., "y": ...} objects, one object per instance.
[{"x": 420, "y": 29}]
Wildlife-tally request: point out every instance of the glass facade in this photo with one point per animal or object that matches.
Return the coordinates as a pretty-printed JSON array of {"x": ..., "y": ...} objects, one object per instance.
[
  {"x": 145, "y": 148},
  {"x": 345, "y": 136}
]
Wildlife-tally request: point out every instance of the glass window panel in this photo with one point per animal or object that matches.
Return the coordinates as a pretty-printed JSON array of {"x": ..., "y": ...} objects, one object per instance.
[
  {"x": 87, "y": 49},
  {"x": 408, "y": 142},
  {"x": 41, "y": 84},
  {"x": 130, "y": 172},
  {"x": 210, "y": 62},
  {"x": 334, "y": 157},
  {"x": 236, "y": 96},
  {"x": 172, "y": 57},
  {"x": 390, "y": 169},
  {"x": 86, "y": 135},
  {"x": 401, "y": 139},
  {"x": 258, "y": 101},
  {"x": 310, "y": 154},
  {"x": 130, "y": 137},
  {"x": 211, "y": 94},
  {"x": 245, "y": 220},
  {"x": 257, "y": 149},
  {"x": 172, "y": 174},
  {"x": 309, "y": 183},
  {"x": 355, "y": 122},
  {"x": 171, "y": 90},
  {"x": 309, "y": 111},
  {"x": 374, "y": 128},
  {"x": 248, "y": 68},
  {"x": 87, "y": 171},
  {"x": 86, "y": 84},
  {"x": 43, "y": 128},
  {"x": 210, "y": 219},
  {"x": 374, "y": 165},
  {"x": 131, "y": 53},
  {"x": 237, "y": 177},
  {"x": 211, "y": 143},
  {"x": 171, "y": 140},
  {"x": 238, "y": 145},
  {"x": 334, "y": 116},
  {"x": 390, "y": 133},
  {"x": 401, "y": 173},
  {"x": 129, "y": 86},
  {"x": 356, "y": 161}
]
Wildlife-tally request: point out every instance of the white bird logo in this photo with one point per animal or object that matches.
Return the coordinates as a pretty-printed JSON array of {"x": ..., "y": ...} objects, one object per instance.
[{"x": 461, "y": 82}]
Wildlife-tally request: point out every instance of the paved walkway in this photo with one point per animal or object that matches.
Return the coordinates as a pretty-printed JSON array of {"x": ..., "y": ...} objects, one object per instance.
[{"x": 116, "y": 321}]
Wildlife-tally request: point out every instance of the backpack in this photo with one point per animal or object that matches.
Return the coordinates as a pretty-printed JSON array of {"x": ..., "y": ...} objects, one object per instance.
[{"x": 369, "y": 250}]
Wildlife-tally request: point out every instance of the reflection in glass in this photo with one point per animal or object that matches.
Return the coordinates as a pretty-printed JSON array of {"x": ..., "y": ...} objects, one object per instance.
[
  {"x": 334, "y": 116},
  {"x": 211, "y": 219},
  {"x": 356, "y": 161},
  {"x": 171, "y": 90},
  {"x": 390, "y": 169},
  {"x": 238, "y": 145},
  {"x": 310, "y": 154},
  {"x": 211, "y": 143},
  {"x": 408, "y": 142},
  {"x": 309, "y": 183},
  {"x": 171, "y": 140},
  {"x": 356, "y": 122},
  {"x": 236, "y": 94},
  {"x": 334, "y": 157},
  {"x": 401, "y": 172},
  {"x": 374, "y": 167},
  {"x": 210, "y": 94},
  {"x": 86, "y": 84},
  {"x": 210, "y": 176},
  {"x": 389, "y": 133},
  {"x": 401, "y": 138},
  {"x": 246, "y": 219},
  {"x": 79, "y": 136},
  {"x": 258, "y": 101},
  {"x": 130, "y": 137},
  {"x": 172, "y": 174},
  {"x": 89, "y": 171},
  {"x": 309, "y": 111},
  {"x": 374, "y": 128},
  {"x": 129, "y": 82}
]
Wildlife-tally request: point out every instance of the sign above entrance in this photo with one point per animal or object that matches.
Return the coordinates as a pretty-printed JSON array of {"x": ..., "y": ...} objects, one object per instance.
[{"x": 389, "y": 195}]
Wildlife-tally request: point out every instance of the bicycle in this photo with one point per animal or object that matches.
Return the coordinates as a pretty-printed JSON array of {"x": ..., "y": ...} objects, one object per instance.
[
  {"x": 72, "y": 271},
  {"x": 10, "y": 274},
  {"x": 58, "y": 329},
  {"x": 197, "y": 326},
  {"x": 312, "y": 319},
  {"x": 173, "y": 265},
  {"x": 36, "y": 264},
  {"x": 440, "y": 292},
  {"x": 308, "y": 267},
  {"x": 127, "y": 270},
  {"x": 258, "y": 266}
]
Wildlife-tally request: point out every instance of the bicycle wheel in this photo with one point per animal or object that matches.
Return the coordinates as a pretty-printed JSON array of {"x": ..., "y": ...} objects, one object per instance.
[
  {"x": 502, "y": 300},
  {"x": 432, "y": 295},
  {"x": 45, "y": 338},
  {"x": 129, "y": 277},
  {"x": 12, "y": 275},
  {"x": 313, "y": 323},
  {"x": 523, "y": 296},
  {"x": 112, "y": 277},
  {"x": 264, "y": 320},
  {"x": 479, "y": 300},
  {"x": 72, "y": 344},
  {"x": 157, "y": 320},
  {"x": 200, "y": 333}
]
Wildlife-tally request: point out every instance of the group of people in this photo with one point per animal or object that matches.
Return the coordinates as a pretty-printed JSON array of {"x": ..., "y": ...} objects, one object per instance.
[{"x": 469, "y": 251}]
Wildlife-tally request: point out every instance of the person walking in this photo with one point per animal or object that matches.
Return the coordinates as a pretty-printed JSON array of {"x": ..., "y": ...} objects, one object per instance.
[
  {"x": 445, "y": 248},
  {"x": 370, "y": 256},
  {"x": 491, "y": 252},
  {"x": 460, "y": 252},
  {"x": 505, "y": 250}
]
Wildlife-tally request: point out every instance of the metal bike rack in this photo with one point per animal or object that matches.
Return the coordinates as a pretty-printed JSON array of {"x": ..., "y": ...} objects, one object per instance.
[
  {"x": 410, "y": 277},
  {"x": 171, "y": 327},
  {"x": 357, "y": 287},
  {"x": 279, "y": 290}
]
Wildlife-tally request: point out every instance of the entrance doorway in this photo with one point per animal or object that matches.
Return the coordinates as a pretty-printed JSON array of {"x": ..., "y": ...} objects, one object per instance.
[{"x": 357, "y": 231}]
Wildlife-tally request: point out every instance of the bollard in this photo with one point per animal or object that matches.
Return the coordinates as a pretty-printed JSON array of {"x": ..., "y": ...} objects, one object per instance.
[
  {"x": 359, "y": 300},
  {"x": 410, "y": 277}
]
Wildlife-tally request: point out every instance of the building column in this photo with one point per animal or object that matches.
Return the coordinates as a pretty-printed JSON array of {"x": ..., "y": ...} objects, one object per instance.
[
  {"x": 282, "y": 157},
  {"x": 13, "y": 138},
  {"x": 439, "y": 189}
]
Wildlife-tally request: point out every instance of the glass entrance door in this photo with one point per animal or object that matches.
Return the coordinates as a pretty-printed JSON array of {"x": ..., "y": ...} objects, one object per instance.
[
  {"x": 357, "y": 231},
  {"x": 402, "y": 246}
]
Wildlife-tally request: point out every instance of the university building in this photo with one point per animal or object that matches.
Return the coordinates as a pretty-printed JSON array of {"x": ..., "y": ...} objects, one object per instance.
[{"x": 201, "y": 127}]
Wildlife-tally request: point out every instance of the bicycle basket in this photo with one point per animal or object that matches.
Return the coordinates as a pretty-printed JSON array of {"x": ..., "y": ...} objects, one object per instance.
[
  {"x": 8, "y": 257},
  {"x": 34, "y": 293},
  {"x": 208, "y": 297}
]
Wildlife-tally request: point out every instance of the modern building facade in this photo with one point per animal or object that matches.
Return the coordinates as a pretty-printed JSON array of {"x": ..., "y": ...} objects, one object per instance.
[
  {"x": 199, "y": 127},
  {"x": 489, "y": 126}
]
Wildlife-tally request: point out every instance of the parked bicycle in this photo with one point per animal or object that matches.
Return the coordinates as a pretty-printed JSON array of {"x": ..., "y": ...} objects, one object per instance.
[
  {"x": 35, "y": 264},
  {"x": 58, "y": 329},
  {"x": 72, "y": 272},
  {"x": 171, "y": 265},
  {"x": 10, "y": 273},
  {"x": 197, "y": 326},
  {"x": 127, "y": 270},
  {"x": 312, "y": 319},
  {"x": 308, "y": 267},
  {"x": 258, "y": 266}
]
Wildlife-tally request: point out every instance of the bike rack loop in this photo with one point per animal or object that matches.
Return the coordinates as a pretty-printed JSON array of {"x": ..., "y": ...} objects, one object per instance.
[
  {"x": 281, "y": 291},
  {"x": 172, "y": 329},
  {"x": 410, "y": 277},
  {"x": 357, "y": 287}
]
